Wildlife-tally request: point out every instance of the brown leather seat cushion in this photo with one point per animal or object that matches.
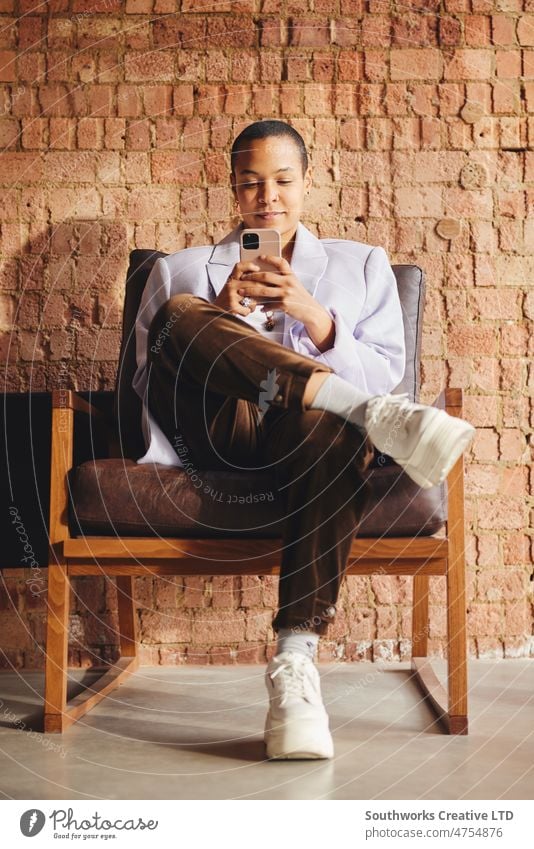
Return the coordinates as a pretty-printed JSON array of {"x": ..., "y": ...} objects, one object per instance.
[{"x": 116, "y": 496}]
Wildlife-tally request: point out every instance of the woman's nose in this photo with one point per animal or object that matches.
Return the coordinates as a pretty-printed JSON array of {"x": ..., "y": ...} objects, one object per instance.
[{"x": 268, "y": 192}]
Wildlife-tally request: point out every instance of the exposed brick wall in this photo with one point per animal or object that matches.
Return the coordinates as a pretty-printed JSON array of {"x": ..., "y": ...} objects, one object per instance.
[{"x": 116, "y": 120}]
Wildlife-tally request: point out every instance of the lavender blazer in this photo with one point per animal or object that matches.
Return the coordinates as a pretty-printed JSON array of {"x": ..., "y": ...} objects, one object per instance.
[{"x": 353, "y": 281}]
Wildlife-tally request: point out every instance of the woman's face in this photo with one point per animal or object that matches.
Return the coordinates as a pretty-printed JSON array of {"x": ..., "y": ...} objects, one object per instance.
[{"x": 269, "y": 186}]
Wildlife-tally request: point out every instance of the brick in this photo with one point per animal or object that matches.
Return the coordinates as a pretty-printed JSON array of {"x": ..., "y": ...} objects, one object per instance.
[
  {"x": 165, "y": 626},
  {"x": 129, "y": 101},
  {"x": 258, "y": 626},
  {"x": 100, "y": 100},
  {"x": 20, "y": 167},
  {"x": 137, "y": 135},
  {"x": 346, "y": 32},
  {"x": 208, "y": 100},
  {"x": 482, "y": 410},
  {"x": 511, "y": 445},
  {"x": 264, "y": 100},
  {"x": 114, "y": 133},
  {"x": 136, "y": 168},
  {"x": 317, "y": 99},
  {"x": 481, "y": 480},
  {"x": 195, "y": 592},
  {"x": 309, "y": 32},
  {"x": 485, "y": 445},
  {"x": 236, "y": 100},
  {"x": 157, "y": 65},
  {"x": 218, "y": 626},
  {"x": 466, "y": 340},
  {"x": 467, "y": 64},
  {"x": 415, "y": 64},
  {"x": 195, "y": 134},
  {"x": 157, "y": 99},
  {"x": 10, "y": 132},
  {"x": 183, "y": 100},
  {"x": 516, "y": 549},
  {"x": 74, "y": 203},
  {"x": 349, "y": 65},
  {"x": 323, "y": 67},
  {"x": 525, "y": 30},
  {"x": 62, "y": 133},
  {"x": 495, "y": 304},
  {"x": 506, "y": 512},
  {"x": 178, "y": 168},
  {"x": 250, "y": 591},
  {"x": 90, "y": 133},
  {"x": 421, "y": 204}
]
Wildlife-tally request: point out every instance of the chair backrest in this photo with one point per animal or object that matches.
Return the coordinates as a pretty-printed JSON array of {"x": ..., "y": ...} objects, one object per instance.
[{"x": 127, "y": 404}]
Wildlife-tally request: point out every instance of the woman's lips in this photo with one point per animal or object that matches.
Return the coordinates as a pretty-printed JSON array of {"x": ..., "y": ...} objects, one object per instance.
[{"x": 268, "y": 215}]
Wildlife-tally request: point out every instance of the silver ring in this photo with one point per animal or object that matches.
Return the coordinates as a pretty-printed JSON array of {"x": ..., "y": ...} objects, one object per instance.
[{"x": 246, "y": 301}]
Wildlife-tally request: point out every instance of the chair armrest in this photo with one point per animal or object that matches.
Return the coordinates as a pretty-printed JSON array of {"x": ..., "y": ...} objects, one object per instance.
[
  {"x": 94, "y": 418},
  {"x": 71, "y": 444},
  {"x": 70, "y": 400}
]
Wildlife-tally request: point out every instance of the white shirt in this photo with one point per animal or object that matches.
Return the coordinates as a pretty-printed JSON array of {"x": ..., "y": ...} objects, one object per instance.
[{"x": 353, "y": 281}]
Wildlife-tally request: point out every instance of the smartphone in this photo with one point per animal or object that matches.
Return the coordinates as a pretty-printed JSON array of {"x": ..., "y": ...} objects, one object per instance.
[{"x": 254, "y": 243}]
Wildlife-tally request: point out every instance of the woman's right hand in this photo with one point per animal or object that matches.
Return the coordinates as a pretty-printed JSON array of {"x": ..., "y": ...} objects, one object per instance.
[{"x": 229, "y": 298}]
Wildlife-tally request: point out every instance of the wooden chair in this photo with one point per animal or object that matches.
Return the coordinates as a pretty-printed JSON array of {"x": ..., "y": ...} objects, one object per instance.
[{"x": 110, "y": 516}]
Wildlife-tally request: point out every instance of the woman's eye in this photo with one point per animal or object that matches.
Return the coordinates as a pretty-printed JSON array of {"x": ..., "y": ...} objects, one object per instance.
[{"x": 252, "y": 185}]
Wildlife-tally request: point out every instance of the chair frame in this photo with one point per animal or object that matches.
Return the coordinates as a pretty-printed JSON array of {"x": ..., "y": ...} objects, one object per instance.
[{"x": 126, "y": 557}]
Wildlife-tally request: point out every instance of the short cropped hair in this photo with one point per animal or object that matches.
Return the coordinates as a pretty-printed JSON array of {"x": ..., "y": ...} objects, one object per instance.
[{"x": 264, "y": 129}]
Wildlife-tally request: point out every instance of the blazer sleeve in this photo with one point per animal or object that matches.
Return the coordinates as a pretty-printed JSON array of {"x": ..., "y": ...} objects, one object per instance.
[
  {"x": 372, "y": 356},
  {"x": 157, "y": 291}
]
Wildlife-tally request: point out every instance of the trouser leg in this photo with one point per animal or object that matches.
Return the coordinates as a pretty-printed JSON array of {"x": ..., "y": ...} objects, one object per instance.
[
  {"x": 319, "y": 462},
  {"x": 210, "y": 373},
  {"x": 204, "y": 381}
]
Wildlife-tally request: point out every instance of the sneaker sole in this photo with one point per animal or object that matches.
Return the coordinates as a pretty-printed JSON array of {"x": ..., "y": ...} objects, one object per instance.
[
  {"x": 298, "y": 743},
  {"x": 443, "y": 441}
]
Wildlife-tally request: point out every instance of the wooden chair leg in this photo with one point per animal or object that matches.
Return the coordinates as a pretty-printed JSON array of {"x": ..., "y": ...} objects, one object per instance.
[
  {"x": 60, "y": 714},
  {"x": 450, "y": 705},
  {"x": 127, "y": 620},
  {"x": 57, "y": 644},
  {"x": 456, "y": 604},
  {"x": 420, "y": 616}
]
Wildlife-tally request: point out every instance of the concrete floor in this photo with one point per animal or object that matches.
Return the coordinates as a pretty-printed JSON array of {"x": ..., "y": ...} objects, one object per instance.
[{"x": 196, "y": 733}]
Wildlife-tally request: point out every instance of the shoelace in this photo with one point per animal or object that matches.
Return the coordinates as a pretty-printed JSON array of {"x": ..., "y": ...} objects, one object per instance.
[
  {"x": 388, "y": 407},
  {"x": 293, "y": 675}
]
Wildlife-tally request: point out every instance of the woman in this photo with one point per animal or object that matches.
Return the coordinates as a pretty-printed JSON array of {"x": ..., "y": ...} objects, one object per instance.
[{"x": 289, "y": 369}]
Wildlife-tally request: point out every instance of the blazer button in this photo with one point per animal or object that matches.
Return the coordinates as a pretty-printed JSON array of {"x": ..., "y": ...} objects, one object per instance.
[{"x": 279, "y": 397}]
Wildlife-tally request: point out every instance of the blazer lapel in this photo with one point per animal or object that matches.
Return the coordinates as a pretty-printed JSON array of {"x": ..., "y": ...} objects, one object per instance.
[
  {"x": 309, "y": 259},
  {"x": 222, "y": 259}
]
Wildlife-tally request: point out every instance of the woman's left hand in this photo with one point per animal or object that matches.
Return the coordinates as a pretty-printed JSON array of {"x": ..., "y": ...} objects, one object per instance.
[{"x": 279, "y": 289}]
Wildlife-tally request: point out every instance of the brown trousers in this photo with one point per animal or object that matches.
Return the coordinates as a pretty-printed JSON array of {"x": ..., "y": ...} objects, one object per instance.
[{"x": 205, "y": 373}]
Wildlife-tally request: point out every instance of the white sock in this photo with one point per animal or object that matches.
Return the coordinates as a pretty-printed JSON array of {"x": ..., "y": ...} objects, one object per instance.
[
  {"x": 290, "y": 639},
  {"x": 341, "y": 397}
]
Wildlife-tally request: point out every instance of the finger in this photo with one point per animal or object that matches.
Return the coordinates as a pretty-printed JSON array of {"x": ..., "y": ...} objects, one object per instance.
[
  {"x": 247, "y": 309},
  {"x": 260, "y": 291},
  {"x": 263, "y": 277},
  {"x": 242, "y": 267},
  {"x": 279, "y": 261}
]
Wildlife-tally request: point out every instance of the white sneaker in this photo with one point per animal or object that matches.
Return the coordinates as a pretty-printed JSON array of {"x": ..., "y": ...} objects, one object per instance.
[
  {"x": 425, "y": 441},
  {"x": 297, "y": 722}
]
